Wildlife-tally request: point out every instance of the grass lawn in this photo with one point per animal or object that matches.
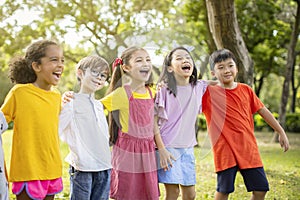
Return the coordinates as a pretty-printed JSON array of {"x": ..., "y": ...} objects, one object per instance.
[{"x": 282, "y": 169}]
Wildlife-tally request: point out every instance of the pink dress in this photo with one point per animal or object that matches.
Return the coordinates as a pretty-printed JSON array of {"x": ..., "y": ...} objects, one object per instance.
[{"x": 134, "y": 173}]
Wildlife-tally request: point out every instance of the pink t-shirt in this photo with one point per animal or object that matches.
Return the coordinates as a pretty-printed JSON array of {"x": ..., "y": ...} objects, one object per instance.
[
  {"x": 229, "y": 115},
  {"x": 177, "y": 115}
]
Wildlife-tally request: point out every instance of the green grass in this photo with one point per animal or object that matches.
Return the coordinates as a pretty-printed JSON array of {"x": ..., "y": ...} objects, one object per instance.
[{"x": 282, "y": 169}]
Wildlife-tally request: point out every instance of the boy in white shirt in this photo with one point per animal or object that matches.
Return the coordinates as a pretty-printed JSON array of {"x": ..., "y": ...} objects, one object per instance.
[{"x": 84, "y": 128}]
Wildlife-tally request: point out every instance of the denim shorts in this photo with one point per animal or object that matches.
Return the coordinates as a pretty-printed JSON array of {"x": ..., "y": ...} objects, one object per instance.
[
  {"x": 254, "y": 178},
  {"x": 38, "y": 189},
  {"x": 183, "y": 171},
  {"x": 89, "y": 185}
]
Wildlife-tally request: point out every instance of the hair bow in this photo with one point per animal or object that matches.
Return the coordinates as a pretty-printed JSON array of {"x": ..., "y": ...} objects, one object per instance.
[{"x": 118, "y": 61}]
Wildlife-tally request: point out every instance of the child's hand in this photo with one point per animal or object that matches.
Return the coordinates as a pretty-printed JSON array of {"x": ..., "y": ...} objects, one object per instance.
[
  {"x": 165, "y": 158},
  {"x": 284, "y": 142},
  {"x": 160, "y": 85},
  {"x": 67, "y": 96}
]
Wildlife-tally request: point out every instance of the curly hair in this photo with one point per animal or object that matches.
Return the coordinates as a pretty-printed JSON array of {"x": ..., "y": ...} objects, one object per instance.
[{"x": 20, "y": 68}]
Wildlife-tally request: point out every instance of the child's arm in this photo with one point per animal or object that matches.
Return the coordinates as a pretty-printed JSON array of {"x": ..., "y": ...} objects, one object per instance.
[
  {"x": 164, "y": 155},
  {"x": 212, "y": 82},
  {"x": 270, "y": 119}
]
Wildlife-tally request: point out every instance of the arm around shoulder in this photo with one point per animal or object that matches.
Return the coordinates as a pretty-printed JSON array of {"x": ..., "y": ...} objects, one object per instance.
[
  {"x": 270, "y": 119},
  {"x": 212, "y": 82}
]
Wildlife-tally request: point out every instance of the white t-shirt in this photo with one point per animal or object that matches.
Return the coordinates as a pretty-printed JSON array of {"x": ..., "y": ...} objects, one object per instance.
[{"x": 84, "y": 128}]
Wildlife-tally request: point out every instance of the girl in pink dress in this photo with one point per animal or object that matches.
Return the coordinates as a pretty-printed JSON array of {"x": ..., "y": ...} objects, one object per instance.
[{"x": 130, "y": 101}]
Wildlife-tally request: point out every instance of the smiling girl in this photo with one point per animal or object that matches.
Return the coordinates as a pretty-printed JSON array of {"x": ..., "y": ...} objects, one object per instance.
[
  {"x": 130, "y": 100},
  {"x": 177, "y": 108},
  {"x": 34, "y": 106}
]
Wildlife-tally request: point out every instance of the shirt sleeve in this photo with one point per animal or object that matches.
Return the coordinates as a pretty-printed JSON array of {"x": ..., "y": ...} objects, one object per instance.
[
  {"x": 115, "y": 99},
  {"x": 159, "y": 106},
  {"x": 201, "y": 88},
  {"x": 65, "y": 118},
  {"x": 3, "y": 123},
  {"x": 256, "y": 103},
  {"x": 9, "y": 106}
]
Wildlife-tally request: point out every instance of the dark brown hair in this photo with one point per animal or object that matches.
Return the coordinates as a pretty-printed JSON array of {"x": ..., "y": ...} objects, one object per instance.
[
  {"x": 169, "y": 78},
  {"x": 219, "y": 56},
  {"x": 20, "y": 68}
]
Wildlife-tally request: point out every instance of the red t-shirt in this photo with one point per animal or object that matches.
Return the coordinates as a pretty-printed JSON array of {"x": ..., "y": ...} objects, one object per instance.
[{"x": 229, "y": 116}]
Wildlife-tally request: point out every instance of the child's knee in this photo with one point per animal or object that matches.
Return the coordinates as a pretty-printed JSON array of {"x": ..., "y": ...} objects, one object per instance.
[
  {"x": 189, "y": 196},
  {"x": 258, "y": 195},
  {"x": 172, "y": 191},
  {"x": 188, "y": 192}
]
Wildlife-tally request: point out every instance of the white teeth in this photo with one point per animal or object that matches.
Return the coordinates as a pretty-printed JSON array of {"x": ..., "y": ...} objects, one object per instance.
[{"x": 57, "y": 73}]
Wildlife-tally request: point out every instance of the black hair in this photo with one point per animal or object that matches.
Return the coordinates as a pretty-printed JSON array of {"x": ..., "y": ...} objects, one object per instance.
[
  {"x": 169, "y": 78},
  {"x": 219, "y": 56}
]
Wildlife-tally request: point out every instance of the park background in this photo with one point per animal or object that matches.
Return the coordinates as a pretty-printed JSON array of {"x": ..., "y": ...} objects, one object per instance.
[{"x": 264, "y": 35}]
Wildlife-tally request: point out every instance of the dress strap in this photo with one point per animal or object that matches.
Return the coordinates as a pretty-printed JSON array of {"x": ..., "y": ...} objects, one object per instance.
[
  {"x": 150, "y": 92},
  {"x": 128, "y": 91}
]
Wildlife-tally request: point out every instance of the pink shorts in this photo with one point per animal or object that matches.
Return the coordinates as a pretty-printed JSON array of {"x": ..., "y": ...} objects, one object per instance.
[{"x": 38, "y": 189}]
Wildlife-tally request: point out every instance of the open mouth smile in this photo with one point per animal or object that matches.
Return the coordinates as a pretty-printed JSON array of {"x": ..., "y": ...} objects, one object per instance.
[
  {"x": 57, "y": 74},
  {"x": 145, "y": 71},
  {"x": 186, "y": 68}
]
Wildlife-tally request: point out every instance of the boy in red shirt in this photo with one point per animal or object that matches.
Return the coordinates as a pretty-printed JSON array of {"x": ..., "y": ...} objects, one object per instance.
[{"x": 229, "y": 107}]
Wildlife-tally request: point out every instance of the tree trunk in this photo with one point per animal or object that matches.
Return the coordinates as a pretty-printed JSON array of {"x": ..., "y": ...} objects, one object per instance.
[
  {"x": 209, "y": 38},
  {"x": 289, "y": 67},
  {"x": 265, "y": 73},
  {"x": 225, "y": 31},
  {"x": 294, "y": 89},
  {"x": 260, "y": 84}
]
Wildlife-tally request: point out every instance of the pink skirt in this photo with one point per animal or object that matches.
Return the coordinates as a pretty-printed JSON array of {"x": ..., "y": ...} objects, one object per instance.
[{"x": 134, "y": 173}]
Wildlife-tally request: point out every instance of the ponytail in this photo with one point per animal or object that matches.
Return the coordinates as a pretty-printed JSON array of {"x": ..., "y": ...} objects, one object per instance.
[{"x": 113, "y": 117}]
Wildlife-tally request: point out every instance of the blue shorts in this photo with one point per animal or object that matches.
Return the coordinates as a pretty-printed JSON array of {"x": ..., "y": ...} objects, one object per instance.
[
  {"x": 89, "y": 185},
  {"x": 183, "y": 170},
  {"x": 255, "y": 179}
]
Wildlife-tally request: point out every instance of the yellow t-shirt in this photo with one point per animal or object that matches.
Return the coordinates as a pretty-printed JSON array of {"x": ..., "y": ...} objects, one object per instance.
[
  {"x": 35, "y": 146},
  {"x": 118, "y": 100}
]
